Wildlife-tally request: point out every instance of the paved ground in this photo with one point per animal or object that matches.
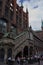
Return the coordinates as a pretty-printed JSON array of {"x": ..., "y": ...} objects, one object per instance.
[
  {"x": 41, "y": 63},
  {"x": 26, "y": 63}
]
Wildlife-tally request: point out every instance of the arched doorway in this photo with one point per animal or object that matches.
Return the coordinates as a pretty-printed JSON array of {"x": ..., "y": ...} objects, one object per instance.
[
  {"x": 9, "y": 54},
  {"x": 25, "y": 51},
  {"x": 31, "y": 50},
  {"x": 2, "y": 53},
  {"x": 19, "y": 55}
]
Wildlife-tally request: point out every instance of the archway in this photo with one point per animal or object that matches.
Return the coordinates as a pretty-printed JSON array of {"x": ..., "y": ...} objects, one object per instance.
[
  {"x": 2, "y": 53},
  {"x": 25, "y": 51},
  {"x": 19, "y": 55},
  {"x": 9, "y": 54},
  {"x": 31, "y": 50}
]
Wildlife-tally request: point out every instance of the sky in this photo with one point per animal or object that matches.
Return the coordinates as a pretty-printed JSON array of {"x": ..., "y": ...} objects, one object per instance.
[{"x": 35, "y": 9}]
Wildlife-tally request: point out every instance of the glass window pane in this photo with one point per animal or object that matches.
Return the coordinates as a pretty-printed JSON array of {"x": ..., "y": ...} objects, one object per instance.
[{"x": 13, "y": 31}]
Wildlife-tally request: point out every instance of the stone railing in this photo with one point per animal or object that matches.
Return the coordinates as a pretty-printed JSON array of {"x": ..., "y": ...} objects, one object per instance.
[{"x": 19, "y": 39}]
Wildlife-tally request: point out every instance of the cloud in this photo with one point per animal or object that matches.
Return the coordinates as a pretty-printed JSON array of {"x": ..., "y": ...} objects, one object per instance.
[
  {"x": 18, "y": 2},
  {"x": 35, "y": 14}
]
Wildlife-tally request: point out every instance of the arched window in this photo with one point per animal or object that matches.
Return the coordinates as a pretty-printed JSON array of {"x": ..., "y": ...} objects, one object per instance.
[
  {"x": 9, "y": 8},
  {"x": 2, "y": 53},
  {"x": 3, "y": 26}
]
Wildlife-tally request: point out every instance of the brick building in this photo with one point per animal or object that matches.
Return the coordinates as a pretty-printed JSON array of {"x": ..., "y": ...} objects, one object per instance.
[
  {"x": 12, "y": 17},
  {"x": 13, "y": 20}
]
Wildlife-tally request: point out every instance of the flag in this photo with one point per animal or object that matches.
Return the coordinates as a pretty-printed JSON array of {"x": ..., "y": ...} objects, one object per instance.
[
  {"x": 23, "y": 1},
  {"x": 35, "y": 6}
]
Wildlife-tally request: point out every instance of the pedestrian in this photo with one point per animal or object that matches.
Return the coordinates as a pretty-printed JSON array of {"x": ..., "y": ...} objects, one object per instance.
[
  {"x": 18, "y": 60},
  {"x": 21, "y": 62},
  {"x": 38, "y": 61},
  {"x": 9, "y": 61}
]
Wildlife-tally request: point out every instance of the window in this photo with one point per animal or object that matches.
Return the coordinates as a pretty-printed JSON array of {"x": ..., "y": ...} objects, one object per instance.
[
  {"x": 6, "y": 11},
  {"x": 17, "y": 18},
  {"x": 20, "y": 22},
  {"x": 13, "y": 31},
  {"x": 11, "y": 14},
  {"x": 11, "y": 4},
  {"x": 11, "y": 10},
  {"x": 24, "y": 24},
  {"x": 3, "y": 26}
]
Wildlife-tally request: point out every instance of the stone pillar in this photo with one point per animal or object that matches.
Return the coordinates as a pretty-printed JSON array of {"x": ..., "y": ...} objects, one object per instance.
[
  {"x": 29, "y": 46},
  {"x": 5, "y": 57},
  {"x": 22, "y": 53},
  {"x": 13, "y": 57},
  {"x": 28, "y": 52}
]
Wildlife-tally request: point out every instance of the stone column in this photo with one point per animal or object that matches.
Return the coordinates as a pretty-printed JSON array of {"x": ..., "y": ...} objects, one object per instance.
[
  {"x": 22, "y": 53},
  {"x": 13, "y": 57},
  {"x": 5, "y": 57},
  {"x": 28, "y": 52}
]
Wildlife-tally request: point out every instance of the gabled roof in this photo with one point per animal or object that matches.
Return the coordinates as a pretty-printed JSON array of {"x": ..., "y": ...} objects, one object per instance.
[{"x": 39, "y": 34}]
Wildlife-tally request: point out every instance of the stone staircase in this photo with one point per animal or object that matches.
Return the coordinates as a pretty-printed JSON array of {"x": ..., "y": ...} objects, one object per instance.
[{"x": 20, "y": 42}]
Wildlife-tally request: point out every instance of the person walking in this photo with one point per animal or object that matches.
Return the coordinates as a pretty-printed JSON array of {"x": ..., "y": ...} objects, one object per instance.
[{"x": 38, "y": 60}]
